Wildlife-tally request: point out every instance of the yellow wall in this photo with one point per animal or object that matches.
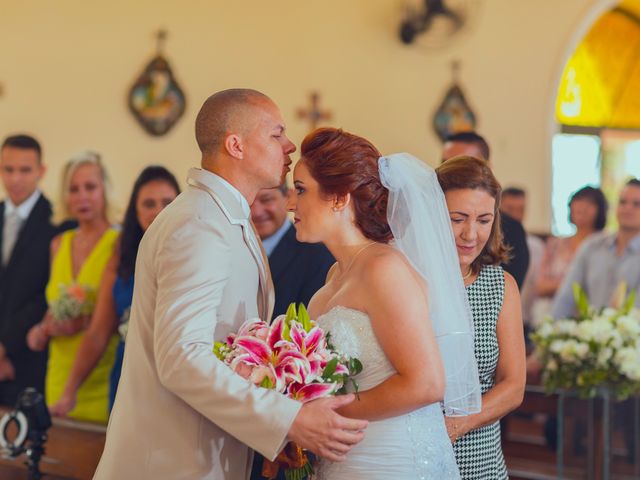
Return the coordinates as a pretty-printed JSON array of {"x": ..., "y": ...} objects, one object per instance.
[{"x": 67, "y": 65}]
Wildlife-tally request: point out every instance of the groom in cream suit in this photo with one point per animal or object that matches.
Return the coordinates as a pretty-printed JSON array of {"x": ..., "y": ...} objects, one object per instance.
[{"x": 201, "y": 272}]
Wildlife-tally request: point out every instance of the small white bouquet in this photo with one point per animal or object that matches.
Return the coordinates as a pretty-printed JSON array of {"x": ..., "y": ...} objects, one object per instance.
[
  {"x": 597, "y": 349},
  {"x": 74, "y": 301}
]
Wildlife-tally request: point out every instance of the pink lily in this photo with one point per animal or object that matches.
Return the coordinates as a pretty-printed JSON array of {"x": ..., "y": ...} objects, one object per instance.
[
  {"x": 283, "y": 363},
  {"x": 312, "y": 391},
  {"x": 254, "y": 327},
  {"x": 307, "y": 342}
]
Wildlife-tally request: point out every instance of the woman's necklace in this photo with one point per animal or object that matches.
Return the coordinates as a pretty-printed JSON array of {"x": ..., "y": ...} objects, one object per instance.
[
  {"x": 353, "y": 259},
  {"x": 468, "y": 274}
]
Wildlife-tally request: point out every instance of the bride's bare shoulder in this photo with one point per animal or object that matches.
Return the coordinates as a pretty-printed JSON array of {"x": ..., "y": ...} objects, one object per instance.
[
  {"x": 388, "y": 278},
  {"x": 385, "y": 261},
  {"x": 332, "y": 271}
]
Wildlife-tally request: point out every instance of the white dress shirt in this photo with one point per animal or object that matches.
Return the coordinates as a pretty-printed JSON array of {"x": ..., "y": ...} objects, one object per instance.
[
  {"x": 271, "y": 242},
  {"x": 24, "y": 209}
]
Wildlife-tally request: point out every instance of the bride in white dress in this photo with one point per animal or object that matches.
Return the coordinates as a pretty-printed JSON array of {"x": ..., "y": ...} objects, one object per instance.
[{"x": 394, "y": 299}]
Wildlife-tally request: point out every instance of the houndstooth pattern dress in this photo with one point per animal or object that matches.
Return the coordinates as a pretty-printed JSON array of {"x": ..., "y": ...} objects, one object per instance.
[{"x": 479, "y": 452}]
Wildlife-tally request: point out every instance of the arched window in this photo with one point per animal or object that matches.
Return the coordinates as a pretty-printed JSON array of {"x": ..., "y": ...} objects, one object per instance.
[{"x": 598, "y": 109}]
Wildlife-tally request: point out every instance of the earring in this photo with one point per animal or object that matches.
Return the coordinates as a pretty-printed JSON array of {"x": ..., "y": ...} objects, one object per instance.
[{"x": 335, "y": 209}]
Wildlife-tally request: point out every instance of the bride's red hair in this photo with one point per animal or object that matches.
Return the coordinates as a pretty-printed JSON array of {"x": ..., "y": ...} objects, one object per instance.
[{"x": 343, "y": 163}]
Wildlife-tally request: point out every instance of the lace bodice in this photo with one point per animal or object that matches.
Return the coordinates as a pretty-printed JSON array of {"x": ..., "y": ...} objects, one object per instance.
[
  {"x": 352, "y": 335},
  {"x": 414, "y": 446}
]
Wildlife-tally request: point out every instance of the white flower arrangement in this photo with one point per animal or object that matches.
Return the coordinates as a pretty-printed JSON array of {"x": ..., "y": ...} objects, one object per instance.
[{"x": 598, "y": 349}]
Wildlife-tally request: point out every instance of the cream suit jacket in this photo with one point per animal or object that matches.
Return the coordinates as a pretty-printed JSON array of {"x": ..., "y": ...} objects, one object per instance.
[{"x": 180, "y": 413}]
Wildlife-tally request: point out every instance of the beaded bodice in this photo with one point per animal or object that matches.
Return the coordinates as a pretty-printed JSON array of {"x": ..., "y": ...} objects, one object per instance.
[
  {"x": 352, "y": 335},
  {"x": 414, "y": 445}
]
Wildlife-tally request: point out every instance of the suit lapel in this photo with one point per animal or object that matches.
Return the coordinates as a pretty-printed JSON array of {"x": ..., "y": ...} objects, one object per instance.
[
  {"x": 283, "y": 254},
  {"x": 232, "y": 209},
  {"x": 255, "y": 247},
  {"x": 267, "y": 292}
]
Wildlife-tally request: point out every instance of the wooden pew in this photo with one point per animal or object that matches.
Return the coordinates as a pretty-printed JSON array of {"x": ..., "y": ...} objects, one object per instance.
[{"x": 11, "y": 472}]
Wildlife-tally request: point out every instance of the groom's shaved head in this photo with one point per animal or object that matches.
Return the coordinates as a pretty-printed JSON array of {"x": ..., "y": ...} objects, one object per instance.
[{"x": 228, "y": 111}]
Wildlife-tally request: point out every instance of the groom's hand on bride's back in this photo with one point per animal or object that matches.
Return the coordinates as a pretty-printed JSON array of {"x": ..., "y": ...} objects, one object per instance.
[{"x": 319, "y": 428}]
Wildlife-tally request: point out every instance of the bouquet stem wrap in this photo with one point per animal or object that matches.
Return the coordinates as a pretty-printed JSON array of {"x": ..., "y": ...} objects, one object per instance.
[{"x": 293, "y": 459}]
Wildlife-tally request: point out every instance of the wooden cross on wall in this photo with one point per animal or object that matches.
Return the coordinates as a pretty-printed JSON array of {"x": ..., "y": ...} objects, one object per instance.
[{"x": 313, "y": 114}]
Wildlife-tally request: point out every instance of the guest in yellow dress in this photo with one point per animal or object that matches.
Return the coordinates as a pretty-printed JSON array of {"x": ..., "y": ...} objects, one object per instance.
[{"x": 79, "y": 257}]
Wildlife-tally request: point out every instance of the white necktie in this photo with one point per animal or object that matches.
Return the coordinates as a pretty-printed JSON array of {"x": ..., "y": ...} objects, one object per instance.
[{"x": 12, "y": 224}]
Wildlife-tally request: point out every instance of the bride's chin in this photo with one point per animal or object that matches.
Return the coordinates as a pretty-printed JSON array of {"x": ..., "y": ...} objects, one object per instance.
[{"x": 299, "y": 235}]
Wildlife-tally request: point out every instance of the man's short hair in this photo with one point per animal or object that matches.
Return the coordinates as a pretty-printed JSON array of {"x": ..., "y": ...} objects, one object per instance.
[
  {"x": 514, "y": 192},
  {"x": 24, "y": 142},
  {"x": 471, "y": 138},
  {"x": 220, "y": 113},
  {"x": 634, "y": 182}
]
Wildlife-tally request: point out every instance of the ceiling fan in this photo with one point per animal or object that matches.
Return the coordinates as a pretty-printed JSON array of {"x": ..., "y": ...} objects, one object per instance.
[{"x": 434, "y": 22}]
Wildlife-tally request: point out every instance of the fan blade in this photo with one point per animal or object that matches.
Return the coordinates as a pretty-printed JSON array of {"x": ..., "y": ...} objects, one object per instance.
[
  {"x": 455, "y": 17},
  {"x": 435, "y": 7}
]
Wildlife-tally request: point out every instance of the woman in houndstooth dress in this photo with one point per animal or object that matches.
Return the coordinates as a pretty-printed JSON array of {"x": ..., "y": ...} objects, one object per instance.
[{"x": 472, "y": 195}]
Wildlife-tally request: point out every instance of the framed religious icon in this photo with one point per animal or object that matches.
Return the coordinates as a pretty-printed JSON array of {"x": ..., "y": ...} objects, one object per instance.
[
  {"x": 454, "y": 115},
  {"x": 156, "y": 99}
]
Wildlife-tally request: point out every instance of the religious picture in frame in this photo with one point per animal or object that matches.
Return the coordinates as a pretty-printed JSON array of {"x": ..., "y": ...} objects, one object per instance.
[
  {"x": 454, "y": 115},
  {"x": 155, "y": 99}
]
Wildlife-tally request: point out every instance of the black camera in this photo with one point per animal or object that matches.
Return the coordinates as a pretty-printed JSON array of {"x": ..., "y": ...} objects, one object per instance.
[{"x": 32, "y": 420}]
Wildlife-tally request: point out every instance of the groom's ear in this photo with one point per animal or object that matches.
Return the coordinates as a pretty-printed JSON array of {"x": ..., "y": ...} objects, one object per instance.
[
  {"x": 340, "y": 202},
  {"x": 233, "y": 145}
]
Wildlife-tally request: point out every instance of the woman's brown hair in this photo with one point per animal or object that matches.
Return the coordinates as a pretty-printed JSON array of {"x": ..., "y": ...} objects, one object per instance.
[
  {"x": 343, "y": 163},
  {"x": 465, "y": 172}
]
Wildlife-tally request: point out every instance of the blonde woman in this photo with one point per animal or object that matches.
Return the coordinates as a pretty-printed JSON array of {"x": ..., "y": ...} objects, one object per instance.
[{"x": 79, "y": 257}]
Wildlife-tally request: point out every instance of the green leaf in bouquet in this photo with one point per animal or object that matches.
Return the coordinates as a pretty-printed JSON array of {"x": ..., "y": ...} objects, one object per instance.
[
  {"x": 267, "y": 383},
  {"x": 218, "y": 349},
  {"x": 581, "y": 299},
  {"x": 629, "y": 302},
  {"x": 303, "y": 317},
  {"x": 356, "y": 388},
  {"x": 291, "y": 313},
  {"x": 354, "y": 366},
  {"x": 290, "y": 316},
  {"x": 329, "y": 342},
  {"x": 330, "y": 369}
]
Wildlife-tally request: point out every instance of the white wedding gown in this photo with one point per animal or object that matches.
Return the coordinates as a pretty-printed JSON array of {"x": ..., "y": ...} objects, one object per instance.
[{"x": 412, "y": 446}]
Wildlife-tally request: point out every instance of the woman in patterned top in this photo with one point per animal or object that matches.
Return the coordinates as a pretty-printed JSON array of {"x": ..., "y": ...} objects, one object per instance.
[{"x": 472, "y": 194}]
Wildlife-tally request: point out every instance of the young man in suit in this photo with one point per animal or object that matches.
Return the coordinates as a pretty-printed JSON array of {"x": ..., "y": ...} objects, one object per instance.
[
  {"x": 298, "y": 269},
  {"x": 26, "y": 232}
]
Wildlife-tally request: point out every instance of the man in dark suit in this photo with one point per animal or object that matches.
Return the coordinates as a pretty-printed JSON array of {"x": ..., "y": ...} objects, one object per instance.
[
  {"x": 298, "y": 269},
  {"x": 472, "y": 144},
  {"x": 25, "y": 234}
]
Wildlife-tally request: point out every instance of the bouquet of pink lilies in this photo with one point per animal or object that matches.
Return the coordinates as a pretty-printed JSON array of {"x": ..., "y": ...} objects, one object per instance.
[{"x": 292, "y": 355}]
